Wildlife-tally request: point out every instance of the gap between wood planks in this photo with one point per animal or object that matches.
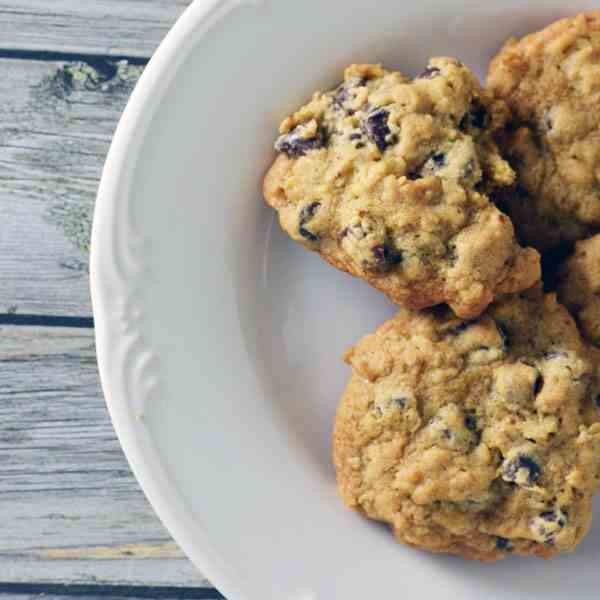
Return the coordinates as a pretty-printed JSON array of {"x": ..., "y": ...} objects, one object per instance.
[
  {"x": 109, "y": 591},
  {"x": 46, "y": 321},
  {"x": 52, "y": 55}
]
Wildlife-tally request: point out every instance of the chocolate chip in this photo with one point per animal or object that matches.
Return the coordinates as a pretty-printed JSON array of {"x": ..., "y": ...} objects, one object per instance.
[
  {"x": 341, "y": 95},
  {"x": 471, "y": 422},
  {"x": 380, "y": 252},
  {"x": 447, "y": 434},
  {"x": 384, "y": 257},
  {"x": 503, "y": 544},
  {"x": 432, "y": 165},
  {"x": 401, "y": 402},
  {"x": 295, "y": 145},
  {"x": 472, "y": 425},
  {"x": 343, "y": 92},
  {"x": 549, "y": 516},
  {"x": 306, "y": 214},
  {"x": 538, "y": 385},
  {"x": 309, "y": 235},
  {"x": 549, "y": 523},
  {"x": 428, "y": 73},
  {"x": 522, "y": 462},
  {"x": 355, "y": 136},
  {"x": 376, "y": 127},
  {"x": 476, "y": 117},
  {"x": 439, "y": 159}
]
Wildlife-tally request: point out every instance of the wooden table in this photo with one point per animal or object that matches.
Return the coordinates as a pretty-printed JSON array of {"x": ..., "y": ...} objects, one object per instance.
[{"x": 74, "y": 521}]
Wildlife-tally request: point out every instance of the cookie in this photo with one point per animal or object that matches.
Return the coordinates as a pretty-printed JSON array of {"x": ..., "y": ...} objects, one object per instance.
[
  {"x": 479, "y": 438},
  {"x": 387, "y": 179},
  {"x": 551, "y": 82},
  {"x": 579, "y": 287}
]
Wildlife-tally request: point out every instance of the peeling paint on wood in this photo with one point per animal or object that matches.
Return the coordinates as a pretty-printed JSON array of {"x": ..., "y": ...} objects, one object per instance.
[{"x": 139, "y": 551}]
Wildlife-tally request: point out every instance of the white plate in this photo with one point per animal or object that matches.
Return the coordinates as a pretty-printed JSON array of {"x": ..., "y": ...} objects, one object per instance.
[{"x": 220, "y": 341}]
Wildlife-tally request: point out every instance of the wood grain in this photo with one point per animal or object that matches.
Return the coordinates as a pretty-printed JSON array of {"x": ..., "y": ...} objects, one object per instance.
[
  {"x": 106, "y": 27},
  {"x": 72, "y": 513},
  {"x": 56, "y": 123},
  {"x": 71, "y": 509}
]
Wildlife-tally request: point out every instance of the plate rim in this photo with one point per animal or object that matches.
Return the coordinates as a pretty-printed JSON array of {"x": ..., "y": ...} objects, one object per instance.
[{"x": 196, "y": 20}]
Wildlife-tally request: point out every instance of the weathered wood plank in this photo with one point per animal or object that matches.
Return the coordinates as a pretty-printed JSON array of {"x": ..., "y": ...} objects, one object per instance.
[
  {"x": 71, "y": 509},
  {"x": 109, "y": 27},
  {"x": 130, "y": 571},
  {"x": 56, "y": 123}
]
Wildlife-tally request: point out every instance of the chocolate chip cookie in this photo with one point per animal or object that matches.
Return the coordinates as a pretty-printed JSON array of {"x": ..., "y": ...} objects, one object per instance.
[
  {"x": 479, "y": 437},
  {"x": 579, "y": 287},
  {"x": 551, "y": 81},
  {"x": 387, "y": 179}
]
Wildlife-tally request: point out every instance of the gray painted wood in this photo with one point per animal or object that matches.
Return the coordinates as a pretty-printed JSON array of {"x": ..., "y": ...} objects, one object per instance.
[
  {"x": 71, "y": 509},
  {"x": 56, "y": 123},
  {"x": 128, "y": 570},
  {"x": 107, "y": 27}
]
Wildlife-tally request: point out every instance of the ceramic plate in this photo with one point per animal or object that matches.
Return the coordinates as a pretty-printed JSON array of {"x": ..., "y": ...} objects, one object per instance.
[{"x": 220, "y": 341}]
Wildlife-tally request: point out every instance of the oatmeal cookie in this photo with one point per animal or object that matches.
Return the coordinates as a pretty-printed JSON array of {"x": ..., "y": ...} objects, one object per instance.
[
  {"x": 473, "y": 437},
  {"x": 551, "y": 82},
  {"x": 579, "y": 287},
  {"x": 388, "y": 179}
]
